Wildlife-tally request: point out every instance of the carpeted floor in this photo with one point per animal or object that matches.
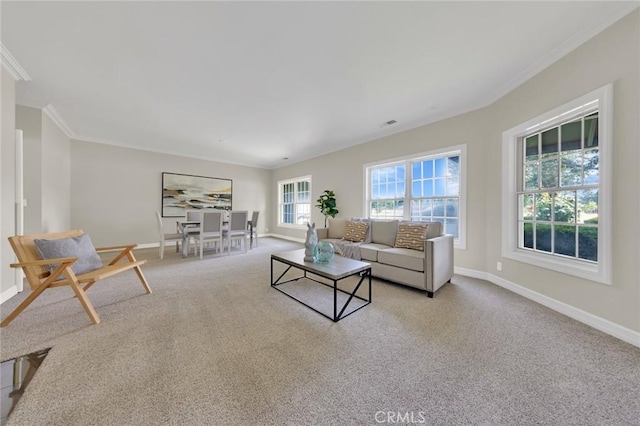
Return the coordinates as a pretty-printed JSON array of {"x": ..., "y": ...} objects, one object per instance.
[{"x": 215, "y": 344}]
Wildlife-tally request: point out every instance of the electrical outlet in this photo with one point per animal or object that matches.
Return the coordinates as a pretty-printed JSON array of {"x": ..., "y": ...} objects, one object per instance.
[{"x": 499, "y": 266}]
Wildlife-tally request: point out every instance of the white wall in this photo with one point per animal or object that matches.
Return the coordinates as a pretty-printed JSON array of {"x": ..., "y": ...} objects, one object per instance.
[
  {"x": 116, "y": 191},
  {"x": 612, "y": 56},
  {"x": 29, "y": 120},
  {"x": 56, "y": 177},
  {"x": 47, "y": 182},
  {"x": 7, "y": 171}
]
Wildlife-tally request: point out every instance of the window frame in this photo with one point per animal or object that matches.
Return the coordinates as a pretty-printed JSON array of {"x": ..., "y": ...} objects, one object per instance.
[
  {"x": 459, "y": 150},
  {"x": 294, "y": 181},
  {"x": 600, "y": 271}
]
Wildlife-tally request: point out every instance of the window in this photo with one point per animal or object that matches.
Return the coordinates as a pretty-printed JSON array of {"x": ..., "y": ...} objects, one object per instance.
[
  {"x": 387, "y": 192},
  {"x": 557, "y": 182},
  {"x": 294, "y": 201},
  {"x": 424, "y": 188}
]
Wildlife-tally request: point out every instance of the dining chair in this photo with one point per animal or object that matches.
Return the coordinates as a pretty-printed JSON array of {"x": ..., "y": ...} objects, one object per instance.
[
  {"x": 193, "y": 216},
  {"x": 252, "y": 226},
  {"x": 190, "y": 225},
  {"x": 211, "y": 230},
  {"x": 164, "y": 238},
  {"x": 237, "y": 228}
]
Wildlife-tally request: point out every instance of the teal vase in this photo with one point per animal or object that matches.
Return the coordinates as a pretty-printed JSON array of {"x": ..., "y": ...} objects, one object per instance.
[{"x": 323, "y": 252}]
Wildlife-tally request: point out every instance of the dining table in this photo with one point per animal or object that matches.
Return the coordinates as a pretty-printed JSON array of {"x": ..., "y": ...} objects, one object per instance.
[{"x": 191, "y": 228}]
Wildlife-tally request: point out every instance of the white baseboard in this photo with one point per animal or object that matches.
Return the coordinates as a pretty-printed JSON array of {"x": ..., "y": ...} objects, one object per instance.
[
  {"x": 8, "y": 294},
  {"x": 148, "y": 245},
  {"x": 630, "y": 336},
  {"x": 285, "y": 237}
]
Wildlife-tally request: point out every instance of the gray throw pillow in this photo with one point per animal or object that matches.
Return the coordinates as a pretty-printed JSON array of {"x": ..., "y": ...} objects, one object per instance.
[{"x": 80, "y": 247}]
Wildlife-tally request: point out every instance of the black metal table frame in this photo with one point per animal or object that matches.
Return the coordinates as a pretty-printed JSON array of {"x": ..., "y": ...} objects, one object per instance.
[{"x": 336, "y": 316}]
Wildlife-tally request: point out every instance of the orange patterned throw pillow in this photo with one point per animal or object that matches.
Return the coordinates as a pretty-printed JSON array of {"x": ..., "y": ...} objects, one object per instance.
[
  {"x": 355, "y": 231},
  {"x": 411, "y": 236}
]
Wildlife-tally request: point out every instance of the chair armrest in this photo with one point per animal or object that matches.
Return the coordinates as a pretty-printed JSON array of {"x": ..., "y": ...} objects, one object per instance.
[
  {"x": 126, "y": 252},
  {"x": 323, "y": 233},
  {"x": 69, "y": 260},
  {"x": 125, "y": 246}
]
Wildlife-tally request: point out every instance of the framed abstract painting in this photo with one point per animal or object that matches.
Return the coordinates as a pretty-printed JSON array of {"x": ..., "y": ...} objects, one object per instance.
[{"x": 188, "y": 192}]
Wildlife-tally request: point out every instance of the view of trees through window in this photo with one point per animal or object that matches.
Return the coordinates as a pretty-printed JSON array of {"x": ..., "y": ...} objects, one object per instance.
[{"x": 558, "y": 202}]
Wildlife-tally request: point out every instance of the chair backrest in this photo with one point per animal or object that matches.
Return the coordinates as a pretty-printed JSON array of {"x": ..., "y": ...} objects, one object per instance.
[
  {"x": 211, "y": 222},
  {"x": 160, "y": 224},
  {"x": 25, "y": 249},
  {"x": 254, "y": 219},
  {"x": 194, "y": 216},
  {"x": 238, "y": 220}
]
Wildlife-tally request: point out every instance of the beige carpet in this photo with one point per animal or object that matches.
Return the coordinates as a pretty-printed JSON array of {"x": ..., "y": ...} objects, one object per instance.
[{"x": 215, "y": 344}]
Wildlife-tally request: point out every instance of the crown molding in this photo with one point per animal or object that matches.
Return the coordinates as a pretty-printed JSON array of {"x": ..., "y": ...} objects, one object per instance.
[
  {"x": 176, "y": 153},
  {"x": 563, "y": 49},
  {"x": 50, "y": 111},
  {"x": 12, "y": 66}
]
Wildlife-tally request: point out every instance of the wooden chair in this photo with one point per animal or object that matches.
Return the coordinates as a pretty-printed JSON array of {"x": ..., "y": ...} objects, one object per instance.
[{"x": 40, "y": 278}]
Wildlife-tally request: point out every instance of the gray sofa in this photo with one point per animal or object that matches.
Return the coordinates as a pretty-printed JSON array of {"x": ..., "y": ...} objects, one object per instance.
[{"x": 426, "y": 270}]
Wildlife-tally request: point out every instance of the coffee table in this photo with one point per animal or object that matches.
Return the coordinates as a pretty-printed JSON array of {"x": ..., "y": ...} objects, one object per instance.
[{"x": 336, "y": 270}]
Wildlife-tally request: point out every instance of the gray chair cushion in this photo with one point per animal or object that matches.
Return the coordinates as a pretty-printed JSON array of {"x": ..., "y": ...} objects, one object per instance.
[{"x": 80, "y": 247}]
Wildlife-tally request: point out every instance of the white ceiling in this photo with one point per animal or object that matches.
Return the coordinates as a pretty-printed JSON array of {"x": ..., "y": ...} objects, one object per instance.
[{"x": 253, "y": 82}]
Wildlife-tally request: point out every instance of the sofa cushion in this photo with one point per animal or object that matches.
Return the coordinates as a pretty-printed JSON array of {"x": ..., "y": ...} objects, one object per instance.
[
  {"x": 80, "y": 247},
  {"x": 384, "y": 232},
  {"x": 434, "y": 229},
  {"x": 402, "y": 258},
  {"x": 336, "y": 227},
  {"x": 411, "y": 236},
  {"x": 370, "y": 251},
  {"x": 367, "y": 238},
  {"x": 355, "y": 231}
]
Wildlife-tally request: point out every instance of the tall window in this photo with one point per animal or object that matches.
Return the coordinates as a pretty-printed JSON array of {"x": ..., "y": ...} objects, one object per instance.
[
  {"x": 295, "y": 201},
  {"x": 559, "y": 191},
  {"x": 435, "y": 191},
  {"x": 387, "y": 192},
  {"x": 423, "y": 188}
]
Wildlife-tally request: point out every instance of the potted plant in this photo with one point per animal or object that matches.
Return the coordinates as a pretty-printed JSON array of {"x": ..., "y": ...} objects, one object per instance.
[{"x": 327, "y": 205}]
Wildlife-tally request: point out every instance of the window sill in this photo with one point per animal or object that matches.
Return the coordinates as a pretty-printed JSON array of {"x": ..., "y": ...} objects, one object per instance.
[{"x": 576, "y": 268}]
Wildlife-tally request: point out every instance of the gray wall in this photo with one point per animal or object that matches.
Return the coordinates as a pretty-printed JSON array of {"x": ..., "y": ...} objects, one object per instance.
[
  {"x": 116, "y": 191},
  {"x": 7, "y": 171},
  {"x": 611, "y": 56},
  {"x": 343, "y": 172}
]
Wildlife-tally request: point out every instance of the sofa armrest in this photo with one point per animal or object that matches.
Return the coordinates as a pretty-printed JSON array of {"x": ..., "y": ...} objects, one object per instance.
[
  {"x": 438, "y": 260},
  {"x": 323, "y": 233}
]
